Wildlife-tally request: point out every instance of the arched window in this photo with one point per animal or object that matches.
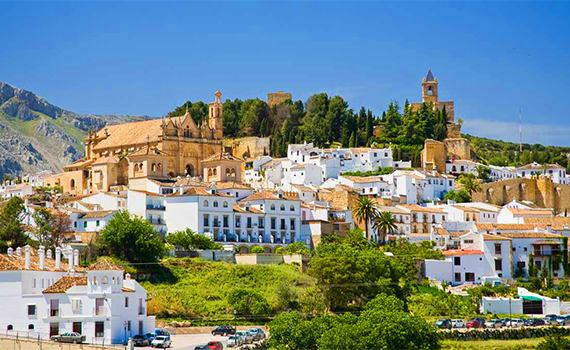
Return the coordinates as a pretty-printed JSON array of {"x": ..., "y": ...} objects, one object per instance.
[
  {"x": 206, "y": 204},
  {"x": 189, "y": 170},
  {"x": 210, "y": 172},
  {"x": 159, "y": 166},
  {"x": 225, "y": 204},
  {"x": 94, "y": 281},
  {"x": 153, "y": 167},
  {"x": 72, "y": 184},
  {"x": 136, "y": 168},
  {"x": 272, "y": 206},
  {"x": 215, "y": 204},
  {"x": 10, "y": 327},
  {"x": 215, "y": 171},
  {"x": 292, "y": 208},
  {"x": 30, "y": 326},
  {"x": 113, "y": 280},
  {"x": 282, "y": 207},
  {"x": 104, "y": 280}
]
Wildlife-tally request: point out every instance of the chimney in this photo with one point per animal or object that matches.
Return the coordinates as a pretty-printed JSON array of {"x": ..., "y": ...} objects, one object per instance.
[
  {"x": 19, "y": 251},
  {"x": 76, "y": 257},
  {"x": 42, "y": 253},
  {"x": 28, "y": 255},
  {"x": 48, "y": 254},
  {"x": 70, "y": 259},
  {"x": 10, "y": 251},
  {"x": 57, "y": 258}
]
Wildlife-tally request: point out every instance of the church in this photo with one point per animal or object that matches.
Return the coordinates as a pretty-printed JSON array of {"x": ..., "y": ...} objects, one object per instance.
[{"x": 125, "y": 155}]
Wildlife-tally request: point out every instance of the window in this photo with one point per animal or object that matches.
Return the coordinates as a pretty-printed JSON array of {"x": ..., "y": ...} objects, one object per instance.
[
  {"x": 261, "y": 223},
  {"x": 469, "y": 277},
  {"x": 292, "y": 225},
  {"x": 525, "y": 249},
  {"x": 468, "y": 241},
  {"x": 457, "y": 261},
  {"x": 226, "y": 221},
  {"x": 99, "y": 329},
  {"x": 538, "y": 264},
  {"x": 497, "y": 248},
  {"x": 272, "y": 206},
  {"x": 238, "y": 221},
  {"x": 34, "y": 283},
  {"x": 499, "y": 265},
  {"x": 282, "y": 207},
  {"x": 99, "y": 306},
  {"x": 273, "y": 223},
  {"x": 54, "y": 307},
  {"x": 249, "y": 222},
  {"x": 97, "y": 223},
  {"x": 32, "y": 310},
  {"x": 104, "y": 280},
  {"x": 206, "y": 220},
  {"x": 283, "y": 224},
  {"x": 206, "y": 204},
  {"x": 129, "y": 326},
  {"x": 85, "y": 224},
  {"x": 30, "y": 326},
  {"x": 94, "y": 281},
  {"x": 225, "y": 204},
  {"x": 458, "y": 277},
  {"x": 75, "y": 224},
  {"x": 77, "y": 327},
  {"x": 10, "y": 327},
  {"x": 53, "y": 329},
  {"x": 76, "y": 305},
  {"x": 215, "y": 204}
]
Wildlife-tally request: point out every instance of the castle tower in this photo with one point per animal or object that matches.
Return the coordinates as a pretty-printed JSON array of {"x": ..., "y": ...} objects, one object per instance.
[
  {"x": 215, "y": 120},
  {"x": 429, "y": 88}
]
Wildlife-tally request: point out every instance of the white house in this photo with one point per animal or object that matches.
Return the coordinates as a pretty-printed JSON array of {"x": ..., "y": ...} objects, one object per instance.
[
  {"x": 42, "y": 296},
  {"x": 368, "y": 185},
  {"x": 554, "y": 172},
  {"x": 10, "y": 191}
]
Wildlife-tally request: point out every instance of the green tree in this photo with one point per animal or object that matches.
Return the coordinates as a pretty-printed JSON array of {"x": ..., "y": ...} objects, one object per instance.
[
  {"x": 189, "y": 239},
  {"x": 131, "y": 238},
  {"x": 248, "y": 302},
  {"x": 297, "y": 248},
  {"x": 384, "y": 223},
  {"x": 364, "y": 210},
  {"x": 459, "y": 196},
  {"x": 316, "y": 128},
  {"x": 483, "y": 172},
  {"x": 43, "y": 219},
  {"x": 469, "y": 183},
  {"x": 352, "y": 142},
  {"x": 12, "y": 233}
]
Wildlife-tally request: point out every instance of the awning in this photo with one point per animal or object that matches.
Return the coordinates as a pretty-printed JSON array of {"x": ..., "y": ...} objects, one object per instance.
[{"x": 530, "y": 298}]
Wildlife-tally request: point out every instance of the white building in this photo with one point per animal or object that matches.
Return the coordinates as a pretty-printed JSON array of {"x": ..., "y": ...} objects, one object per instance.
[
  {"x": 10, "y": 191},
  {"x": 554, "y": 172},
  {"x": 43, "y": 296},
  {"x": 369, "y": 185}
]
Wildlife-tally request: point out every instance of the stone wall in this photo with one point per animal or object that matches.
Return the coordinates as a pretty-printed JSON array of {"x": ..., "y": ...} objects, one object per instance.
[
  {"x": 542, "y": 192},
  {"x": 433, "y": 155},
  {"x": 453, "y": 130},
  {"x": 250, "y": 147},
  {"x": 459, "y": 147},
  {"x": 279, "y": 97}
]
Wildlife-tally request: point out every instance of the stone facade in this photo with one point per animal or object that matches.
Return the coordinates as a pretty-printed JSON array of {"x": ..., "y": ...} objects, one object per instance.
[
  {"x": 542, "y": 192},
  {"x": 459, "y": 148},
  {"x": 434, "y": 155},
  {"x": 274, "y": 99},
  {"x": 249, "y": 147},
  {"x": 157, "y": 148}
]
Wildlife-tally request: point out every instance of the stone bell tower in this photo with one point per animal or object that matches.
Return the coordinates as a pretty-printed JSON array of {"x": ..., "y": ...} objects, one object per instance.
[
  {"x": 429, "y": 88},
  {"x": 216, "y": 119}
]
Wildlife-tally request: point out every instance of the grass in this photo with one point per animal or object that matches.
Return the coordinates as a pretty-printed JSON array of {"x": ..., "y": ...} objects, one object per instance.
[
  {"x": 196, "y": 290},
  {"x": 492, "y": 344}
]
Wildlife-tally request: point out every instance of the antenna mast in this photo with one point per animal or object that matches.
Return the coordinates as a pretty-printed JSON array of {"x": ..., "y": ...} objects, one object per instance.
[{"x": 520, "y": 131}]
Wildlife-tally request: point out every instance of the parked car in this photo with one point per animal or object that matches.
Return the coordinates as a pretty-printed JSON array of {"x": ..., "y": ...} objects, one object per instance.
[
  {"x": 258, "y": 333},
  {"x": 494, "y": 323},
  {"x": 161, "y": 341},
  {"x": 505, "y": 321},
  {"x": 476, "y": 322},
  {"x": 141, "y": 340},
  {"x": 534, "y": 322},
  {"x": 224, "y": 330},
  {"x": 160, "y": 331},
  {"x": 201, "y": 347},
  {"x": 551, "y": 320},
  {"x": 516, "y": 322},
  {"x": 215, "y": 345},
  {"x": 70, "y": 337},
  {"x": 563, "y": 320},
  {"x": 234, "y": 341},
  {"x": 246, "y": 336},
  {"x": 457, "y": 323},
  {"x": 150, "y": 336}
]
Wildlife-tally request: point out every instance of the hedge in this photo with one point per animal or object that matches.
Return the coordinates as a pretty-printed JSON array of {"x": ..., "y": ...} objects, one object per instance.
[{"x": 504, "y": 334}]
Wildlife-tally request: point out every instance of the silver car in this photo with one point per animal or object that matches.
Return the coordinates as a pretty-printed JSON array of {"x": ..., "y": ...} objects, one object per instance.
[
  {"x": 234, "y": 341},
  {"x": 246, "y": 336}
]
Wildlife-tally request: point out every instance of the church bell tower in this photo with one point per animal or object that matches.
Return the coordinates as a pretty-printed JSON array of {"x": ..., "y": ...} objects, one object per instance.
[
  {"x": 215, "y": 118},
  {"x": 429, "y": 88}
]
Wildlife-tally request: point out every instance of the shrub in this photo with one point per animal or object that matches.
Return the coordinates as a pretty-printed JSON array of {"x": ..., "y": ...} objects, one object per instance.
[
  {"x": 247, "y": 302},
  {"x": 257, "y": 250},
  {"x": 280, "y": 250},
  {"x": 554, "y": 342}
]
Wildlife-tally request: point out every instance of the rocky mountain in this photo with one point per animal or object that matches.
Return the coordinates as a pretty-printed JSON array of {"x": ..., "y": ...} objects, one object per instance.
[{"x": 36, "y": 135}]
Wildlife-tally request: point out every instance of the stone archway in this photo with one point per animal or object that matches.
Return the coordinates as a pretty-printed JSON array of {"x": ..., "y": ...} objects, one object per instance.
[{"x": 190, "y": 169}]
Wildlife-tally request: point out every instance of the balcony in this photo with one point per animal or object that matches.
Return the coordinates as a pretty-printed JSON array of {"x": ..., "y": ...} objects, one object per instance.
[
  {"x": 157, "y": 221},
  {"x": 545, "y": 252},
  {"x": 99, "y": 311},
  {"x": 155, "y": 207},
  {"x": 54, "y": 312}
]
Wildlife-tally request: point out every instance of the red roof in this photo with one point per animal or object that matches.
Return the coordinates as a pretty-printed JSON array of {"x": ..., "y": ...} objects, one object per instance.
[{"x": 462, "y": 252}]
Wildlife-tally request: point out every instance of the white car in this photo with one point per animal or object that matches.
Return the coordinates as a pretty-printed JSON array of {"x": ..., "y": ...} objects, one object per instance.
[
  {"x": 161, "y": 341},
  {"x": 245, "y": 336},
  {"x": 457, "y": 323},
  {"x": 234, "y": 341},
  {"x": 516, "y": 322}
]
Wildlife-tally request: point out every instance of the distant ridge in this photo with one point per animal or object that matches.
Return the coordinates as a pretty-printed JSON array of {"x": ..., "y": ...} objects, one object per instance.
[{"x": 35, "y": 135}]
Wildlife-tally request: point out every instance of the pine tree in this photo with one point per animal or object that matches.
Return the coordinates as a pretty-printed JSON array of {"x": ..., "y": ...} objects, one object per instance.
[{"x": 352, "y": 141}]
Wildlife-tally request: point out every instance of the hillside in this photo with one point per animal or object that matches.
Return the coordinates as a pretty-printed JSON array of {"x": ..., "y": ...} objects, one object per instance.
[
  {"x": 192, "y": 289},
  {"x": 36, "y": 135}
]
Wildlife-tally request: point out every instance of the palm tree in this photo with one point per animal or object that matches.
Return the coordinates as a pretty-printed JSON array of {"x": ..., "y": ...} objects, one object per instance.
[
  {"x": 470, "y": 184},
  {"x": 482, "y": 172},
  {"x": 364, "y": 209},
  {"x": 384, "y": 223}
]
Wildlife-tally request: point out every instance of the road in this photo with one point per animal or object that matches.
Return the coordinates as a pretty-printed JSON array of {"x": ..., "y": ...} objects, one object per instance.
[{"x": 189, "y": 341}]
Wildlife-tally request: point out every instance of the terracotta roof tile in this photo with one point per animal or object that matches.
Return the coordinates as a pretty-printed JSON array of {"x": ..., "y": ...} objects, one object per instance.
[
  {"x": 271, "y": 195},
  {"x": 63, "y": 284},
  {"x": 462, "y": 252},
  {"x": 232, "y": 185},
  {"x": 128, "y": 134},
  {"x": 530, "y": 235},
  {"x": 557, "y": 223},
  {"x": 104, "y": 265},
  {"x": 501, "y": 227},
  {"x": 415, "y": 207},
  {"x": 222, "y": 156},
  {"x": 18, "y": 263},
  {"x": 98, "y": 214},
  {"x": 495, "y": 237},
  {"x": 363, "y": 179},
  {"x": 541, "y": 212}
]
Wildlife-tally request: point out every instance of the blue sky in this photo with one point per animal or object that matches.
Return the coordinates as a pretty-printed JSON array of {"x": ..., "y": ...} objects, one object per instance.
[{"x": 148, "y": 57}]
